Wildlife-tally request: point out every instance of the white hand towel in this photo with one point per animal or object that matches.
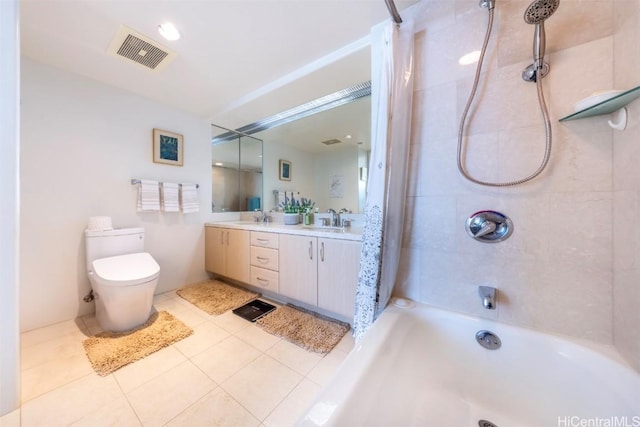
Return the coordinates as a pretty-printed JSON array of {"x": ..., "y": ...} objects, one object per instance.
[
  {"x": 148, "y": 196},
  {"x": 169, "y": 197},
  {"x": 189, "y": 198}
]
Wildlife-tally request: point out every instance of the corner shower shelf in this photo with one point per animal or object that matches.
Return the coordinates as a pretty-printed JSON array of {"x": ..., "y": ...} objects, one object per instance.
[{"x": 615, "y": 104}]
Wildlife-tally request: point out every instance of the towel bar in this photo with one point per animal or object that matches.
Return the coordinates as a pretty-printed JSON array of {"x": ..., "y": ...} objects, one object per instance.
[{"x": 137, "y": 181}]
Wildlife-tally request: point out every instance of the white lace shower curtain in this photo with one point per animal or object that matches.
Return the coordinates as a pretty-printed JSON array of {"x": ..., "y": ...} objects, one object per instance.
[{"x": 391, "y": 100}]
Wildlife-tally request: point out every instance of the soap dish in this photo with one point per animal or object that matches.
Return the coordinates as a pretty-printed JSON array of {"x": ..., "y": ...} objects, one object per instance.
[{"x": 596, "y": 98}]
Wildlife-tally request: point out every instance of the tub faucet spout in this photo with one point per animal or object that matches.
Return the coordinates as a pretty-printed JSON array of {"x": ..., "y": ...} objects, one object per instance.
[{"x": 488, "y": 297}]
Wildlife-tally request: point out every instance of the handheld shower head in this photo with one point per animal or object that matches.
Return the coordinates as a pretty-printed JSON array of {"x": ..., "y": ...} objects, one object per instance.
[{"x": 538, "y": 12}]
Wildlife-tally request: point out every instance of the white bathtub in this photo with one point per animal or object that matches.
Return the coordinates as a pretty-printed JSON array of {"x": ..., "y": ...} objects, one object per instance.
[{"x": 422, "y": 366}]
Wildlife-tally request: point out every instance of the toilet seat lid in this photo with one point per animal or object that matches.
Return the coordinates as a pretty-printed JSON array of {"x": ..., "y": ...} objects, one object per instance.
[{"x": 126, "y": 270}]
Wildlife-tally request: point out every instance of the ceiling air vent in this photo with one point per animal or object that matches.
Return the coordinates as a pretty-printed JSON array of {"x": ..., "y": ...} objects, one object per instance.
[
  {"x": 133, "y": 46},
  {"x": 331, "y": 141}
]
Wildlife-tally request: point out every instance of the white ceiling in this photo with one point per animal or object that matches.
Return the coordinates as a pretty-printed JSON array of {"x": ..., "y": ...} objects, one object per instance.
[{"x": 237, "y": 61}]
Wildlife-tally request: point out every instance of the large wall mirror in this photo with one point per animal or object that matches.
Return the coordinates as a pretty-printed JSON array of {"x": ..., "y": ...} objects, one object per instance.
[
  {"x": 236, "y": 171},
  {"x": 327, "y": 153}
]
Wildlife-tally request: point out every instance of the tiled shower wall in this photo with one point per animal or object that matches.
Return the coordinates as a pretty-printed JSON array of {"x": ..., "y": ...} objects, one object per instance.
[
  {"x": 555, "y": 273},
  {"x": 626, "y": 187}
]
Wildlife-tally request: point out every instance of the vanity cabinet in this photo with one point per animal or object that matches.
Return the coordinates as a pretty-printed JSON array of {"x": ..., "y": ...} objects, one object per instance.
[
  {"x": 299, "y": 268},
  {"x": 338, "y": 269},
  {"x": 319, "y": 271},
  {"x": 227, "y": 252},
  {"x": 302, "y": 267},
  {"x": 264, "y": 260}
]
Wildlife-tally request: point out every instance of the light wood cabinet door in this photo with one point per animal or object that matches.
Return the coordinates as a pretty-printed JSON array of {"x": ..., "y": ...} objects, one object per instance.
[
  {"x": 338, "y": 268},
  {"x": 215, "y": 250},
  {"x": 238, "y": 254},
  {"x": 227, "y": 252},
  {"x": 299, "y": 268}
]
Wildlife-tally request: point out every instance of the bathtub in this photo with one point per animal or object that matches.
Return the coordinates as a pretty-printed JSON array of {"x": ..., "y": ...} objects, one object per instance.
[{"x": 422, "y": 366}]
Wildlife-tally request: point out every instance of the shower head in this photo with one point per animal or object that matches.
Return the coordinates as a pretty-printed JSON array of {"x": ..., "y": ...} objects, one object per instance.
[{"x": 540, "y": 10}]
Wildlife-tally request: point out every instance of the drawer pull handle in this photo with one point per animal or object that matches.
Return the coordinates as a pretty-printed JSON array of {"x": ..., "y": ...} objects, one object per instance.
[
  {"x": 263, "y": 259},
  {"x": 260, "y": 279},
  {"x": 263, "y": 240}
]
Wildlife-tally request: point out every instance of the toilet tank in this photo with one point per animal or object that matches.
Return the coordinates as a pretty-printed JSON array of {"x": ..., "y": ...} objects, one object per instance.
[{"x": 120, "y": 241}]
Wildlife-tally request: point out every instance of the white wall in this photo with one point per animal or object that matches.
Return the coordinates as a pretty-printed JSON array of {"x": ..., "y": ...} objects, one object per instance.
[
  {"x": 9, "y": 207},
  {"x": 82, "y": 142},
  {"x": 302, "y": 172},
  {"x": 555, "y": 272},
  {"x": 337, "y": 162}
]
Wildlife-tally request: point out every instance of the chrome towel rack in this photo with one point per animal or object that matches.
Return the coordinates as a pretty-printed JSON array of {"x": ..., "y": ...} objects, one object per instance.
[{"x": 137, "y": 181}]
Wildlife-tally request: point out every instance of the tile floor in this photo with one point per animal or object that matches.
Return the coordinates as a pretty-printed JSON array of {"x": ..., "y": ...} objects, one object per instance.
[{"x": 228, "y": 373}]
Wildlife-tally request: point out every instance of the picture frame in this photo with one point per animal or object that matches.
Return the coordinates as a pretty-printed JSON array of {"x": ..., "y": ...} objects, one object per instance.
[
  {"x": 167, "y": 147},
  {"x": 285, "y": 170}
]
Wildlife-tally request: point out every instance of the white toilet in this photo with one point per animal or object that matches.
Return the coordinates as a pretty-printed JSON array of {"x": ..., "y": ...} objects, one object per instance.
[{"x": 123, "y": 277}]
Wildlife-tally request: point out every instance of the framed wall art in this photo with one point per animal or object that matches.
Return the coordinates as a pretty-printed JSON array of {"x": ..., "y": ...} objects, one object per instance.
[
  {"x": 167, "y": 147},
  {"x": 285, "y": 170}
]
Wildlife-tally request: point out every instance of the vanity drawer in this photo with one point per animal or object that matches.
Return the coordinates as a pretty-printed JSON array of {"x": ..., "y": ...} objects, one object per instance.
[
  {"x": 264, "y": 278},
  {"x": 265, "y": 240},
  {"x": 264, "y": 257}
]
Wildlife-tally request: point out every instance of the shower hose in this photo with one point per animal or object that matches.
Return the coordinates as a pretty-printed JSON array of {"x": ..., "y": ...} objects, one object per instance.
[{"x": 543, "y": 110}]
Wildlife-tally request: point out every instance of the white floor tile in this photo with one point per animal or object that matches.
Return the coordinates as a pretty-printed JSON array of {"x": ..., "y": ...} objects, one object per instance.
[
  {"x": 262, "y": 385},
  {"x": 217, "y": 408},
  {"x": 12, "y": 419},
  {"x": 296, "y": 358},
  {"x": 191, "y": 318},
  {"x": 117, "y": 413},
  {"x": 49, "y": 351},
  {"x": 226, "y": 358},
  {"x": 327, "y": 367},
  {"x": 141, "y": 371},
  {"x": 71, "y": 402},
  {"x": 51, "y": 332},
  {"x": 294, "y": 405},
  {"x": 261, "y": 377},
  {"x": 53, "y": 374},
  {"x": 204, "y": 336},
  {"x": 230, "y": 322},
  {"x": 347, "y": 343},
  {"x": 167, "y": 395},
  {"x": 257, "y": 337}
]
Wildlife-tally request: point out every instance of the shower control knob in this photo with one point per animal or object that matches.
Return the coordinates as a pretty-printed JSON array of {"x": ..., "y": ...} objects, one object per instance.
[{"x": 489, "y": 226}]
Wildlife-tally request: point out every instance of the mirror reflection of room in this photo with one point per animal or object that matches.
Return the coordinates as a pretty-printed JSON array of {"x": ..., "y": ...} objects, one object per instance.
[
  {"x": 327, "y": 153},
  {"x": 236, "y": 171}
]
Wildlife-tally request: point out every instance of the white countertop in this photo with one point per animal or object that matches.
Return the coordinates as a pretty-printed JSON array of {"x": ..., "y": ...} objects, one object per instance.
[{"x": 349, "y": 233}]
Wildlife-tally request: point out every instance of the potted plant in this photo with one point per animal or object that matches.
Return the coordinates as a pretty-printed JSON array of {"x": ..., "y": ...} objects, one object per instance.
[
  {"x": 306, "y": 208},
  {"x": 291, "y": 209}
]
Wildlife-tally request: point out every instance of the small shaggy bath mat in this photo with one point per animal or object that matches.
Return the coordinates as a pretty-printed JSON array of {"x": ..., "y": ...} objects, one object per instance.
[
  {"x": 304, "y": 328},
  {"x": 216, "y": 297},
  {"x": 110, "y": 351}
]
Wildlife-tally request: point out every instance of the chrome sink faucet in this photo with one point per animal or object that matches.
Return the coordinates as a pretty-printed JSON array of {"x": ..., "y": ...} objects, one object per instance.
[
  {"x": 261, "y": 216},
  {"x": 488, "y": 297},
  {"x": 334, "y": 217}
]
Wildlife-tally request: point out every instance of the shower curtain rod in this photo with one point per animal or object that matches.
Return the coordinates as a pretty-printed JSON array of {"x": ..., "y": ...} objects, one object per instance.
[{"x": 393, "y": 11}]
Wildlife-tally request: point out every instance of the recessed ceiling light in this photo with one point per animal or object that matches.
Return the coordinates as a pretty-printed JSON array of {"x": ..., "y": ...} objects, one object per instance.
[
  {"x": 169, "y": 31},
  {"x": 218, "y": 164},
  {"x": 348, "y": 136},
  {"x": 469, "y": 58}
]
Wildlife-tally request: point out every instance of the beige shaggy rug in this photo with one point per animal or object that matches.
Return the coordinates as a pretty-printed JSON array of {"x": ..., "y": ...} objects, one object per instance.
[
  {"x": 216, "y": 297},
  {"x": 304, "y": 328},
  {"x": 110, "y": 351}
]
